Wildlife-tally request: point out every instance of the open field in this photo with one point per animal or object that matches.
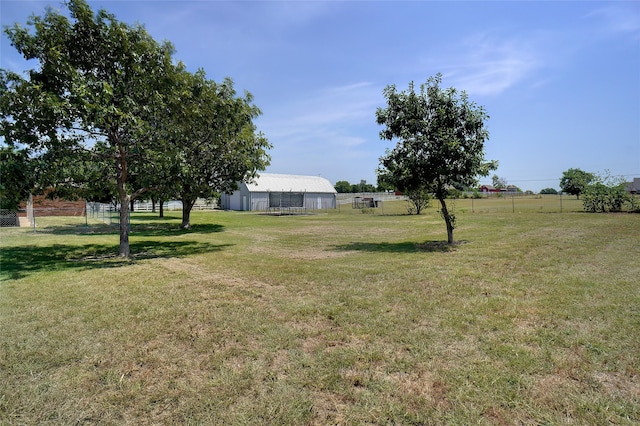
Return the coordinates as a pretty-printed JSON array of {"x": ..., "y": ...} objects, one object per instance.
[{"x": 333, "y": 318}]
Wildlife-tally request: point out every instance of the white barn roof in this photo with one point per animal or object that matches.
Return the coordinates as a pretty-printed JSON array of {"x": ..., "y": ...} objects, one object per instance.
[{"x": 270, "y": 182}]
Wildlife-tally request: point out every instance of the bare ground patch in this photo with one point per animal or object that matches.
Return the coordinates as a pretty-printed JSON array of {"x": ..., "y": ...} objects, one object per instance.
[{"x": 622, "y": 385}]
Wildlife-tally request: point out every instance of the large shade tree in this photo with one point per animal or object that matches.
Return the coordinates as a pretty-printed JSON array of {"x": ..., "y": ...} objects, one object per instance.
[
  {"x": 98, "y": 81},
  {"x": 440, "y": 138},
  {"x": 213, "y": 138}
]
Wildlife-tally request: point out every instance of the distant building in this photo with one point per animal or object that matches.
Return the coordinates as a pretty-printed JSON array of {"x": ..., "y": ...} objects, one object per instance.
[
  {"x": 279, "y": 192},
  {"x": 45, "y": 206},
  {"x": 633, "y": 187},
  {"x": 488, "y": 188}
]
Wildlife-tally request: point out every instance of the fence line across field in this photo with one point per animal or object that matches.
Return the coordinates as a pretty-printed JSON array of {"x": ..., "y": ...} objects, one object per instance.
[
  {"x": 91, "y": 213},
  {"x": 372, "y": 203},
  {"x": 474, "y": 202}
]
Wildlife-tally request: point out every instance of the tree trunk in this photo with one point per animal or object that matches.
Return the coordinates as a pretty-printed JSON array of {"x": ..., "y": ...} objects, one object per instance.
[
  {"x": 125, "y": 199},
  {"x": 153, "y": 204},
  {"x": 161, "y": 203},
  {"x": 187, "y": 205},
  {"x": 124, "y": 226},
  {"x": 131, "y": 204},
  {"x": 447, "y": 220}
]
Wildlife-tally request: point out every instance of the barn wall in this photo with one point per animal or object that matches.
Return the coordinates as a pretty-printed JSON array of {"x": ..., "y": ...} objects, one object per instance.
[
  {"x": 235, "y": 200},
  {"x": 259, "y": 201},
  {"x": 242, "y": 200},
  {"x": 54, "y": 207},
  {"x": 318, "y": 201}
]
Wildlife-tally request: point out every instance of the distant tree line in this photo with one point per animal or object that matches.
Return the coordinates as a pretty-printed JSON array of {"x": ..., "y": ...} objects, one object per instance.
[
  {"x": 548, "y": 191},
  {"x": 344, "y": 187}
]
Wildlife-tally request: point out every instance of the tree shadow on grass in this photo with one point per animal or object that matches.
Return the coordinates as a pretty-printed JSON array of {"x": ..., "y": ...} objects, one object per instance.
[
  {"x": 143, "y": 230},
  {"x": 150, "y": 216},
  {"x": 18, "y": 262},
  {"x": 402, "y": 247},
  {"x": 165, "y": 230}
]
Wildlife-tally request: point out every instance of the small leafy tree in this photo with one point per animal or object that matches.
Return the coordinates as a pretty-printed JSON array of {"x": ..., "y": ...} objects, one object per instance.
[
  {"x": 418, "y": 200},
  {"x": 605, "y": 194},
  {"x": 594, "y": 198},
  {"x": 440, "y": 137},
  {"x": 342, "y": 187},
  {"x": 575, "y": 181},
  {"x": 498, "y": 182}
]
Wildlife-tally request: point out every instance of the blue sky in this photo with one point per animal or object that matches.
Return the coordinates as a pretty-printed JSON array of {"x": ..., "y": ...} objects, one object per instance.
[{"x": 560, "y": 80}]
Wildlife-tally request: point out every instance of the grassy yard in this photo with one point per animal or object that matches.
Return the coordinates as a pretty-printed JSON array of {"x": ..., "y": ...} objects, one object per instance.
[{"x": 333, "y": 318}]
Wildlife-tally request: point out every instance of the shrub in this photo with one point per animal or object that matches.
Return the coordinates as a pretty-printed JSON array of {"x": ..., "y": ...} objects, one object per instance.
[
  {"x": 602, "y": 197},
  {"x": 417, "y": 201},
  {"x": 634, "y": 203}
]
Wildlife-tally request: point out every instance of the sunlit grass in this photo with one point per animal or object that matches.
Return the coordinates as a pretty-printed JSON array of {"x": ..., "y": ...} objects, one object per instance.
[{"x": 333, "y": 318}]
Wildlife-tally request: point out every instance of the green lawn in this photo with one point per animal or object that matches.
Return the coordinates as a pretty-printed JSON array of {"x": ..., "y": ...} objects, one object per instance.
[{"x": 333, "y": 318}]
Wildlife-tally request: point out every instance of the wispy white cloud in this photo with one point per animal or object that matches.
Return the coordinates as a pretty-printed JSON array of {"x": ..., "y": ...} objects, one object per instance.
[
  {"x": 331, "y": 108},
  {"x": 293, "y": 13},
  {"x": 326, "y": 128},
  {"x": 489, "y": 65},
  {"x": 618, "y": 19}
]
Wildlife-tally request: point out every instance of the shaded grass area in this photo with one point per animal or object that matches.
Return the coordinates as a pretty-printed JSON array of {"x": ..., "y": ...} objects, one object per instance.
[
  {"x": 96, "y": 246},
  {"x": 333, "y": 318},
  {"x": 17, "y": 262}
]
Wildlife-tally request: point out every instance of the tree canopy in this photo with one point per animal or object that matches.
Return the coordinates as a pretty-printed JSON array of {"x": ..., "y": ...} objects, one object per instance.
[
  {"x": 498, "y": 182},
  {"x": 575, "y": 181},
  {"x": 342, "y": 186},
  {"x": 99, "y": 81},
  {"x": 606, "y": 194},
  {"x": 440, "y": 137},
  {"x": 548, "y": 191},
  {"x": 16, "y": 177},
  {"x": 213, "y": 138},
  {"x": 101, "y": 103}
]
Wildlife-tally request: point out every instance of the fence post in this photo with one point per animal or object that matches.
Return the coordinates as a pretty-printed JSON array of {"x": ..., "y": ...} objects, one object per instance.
[{"x": 30, "y": 212}]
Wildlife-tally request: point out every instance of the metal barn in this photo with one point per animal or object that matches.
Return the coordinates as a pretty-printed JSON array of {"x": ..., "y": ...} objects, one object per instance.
[{"x": 282, "y": 193}]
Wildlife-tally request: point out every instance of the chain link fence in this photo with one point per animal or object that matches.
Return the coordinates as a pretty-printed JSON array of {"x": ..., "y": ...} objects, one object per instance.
[
  {"x": 9, "y": 218},
  {"x": 84, "y": 213},
  {"x": 379, "y": 203}
]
